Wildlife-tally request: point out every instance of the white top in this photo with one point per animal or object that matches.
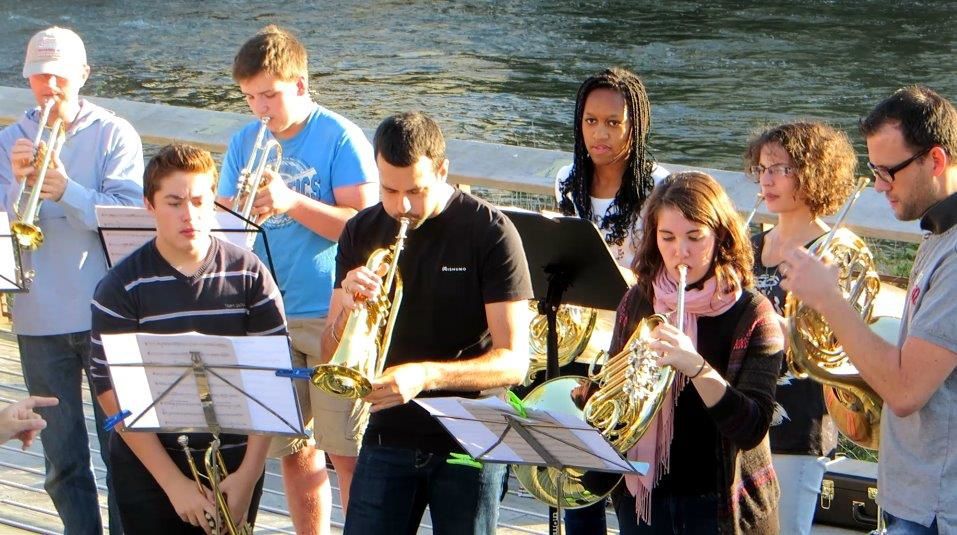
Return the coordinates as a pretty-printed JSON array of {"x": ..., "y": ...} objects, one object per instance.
[{"x": 624, "y": 252}]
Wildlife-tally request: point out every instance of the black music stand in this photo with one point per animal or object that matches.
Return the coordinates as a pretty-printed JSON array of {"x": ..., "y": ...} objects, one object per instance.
[
  {"x": 493, "y": 431},
  {"x": 248, "y": 227},
  {"x": 569, "y": 263},
  {"x": 13, "y": 277}
]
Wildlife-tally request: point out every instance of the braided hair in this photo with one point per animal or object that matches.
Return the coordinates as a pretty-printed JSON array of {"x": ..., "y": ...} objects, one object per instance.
[{"x": 637, "y": 183}]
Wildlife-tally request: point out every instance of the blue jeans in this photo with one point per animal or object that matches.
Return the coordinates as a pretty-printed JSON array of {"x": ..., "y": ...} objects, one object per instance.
[
  {"x": 587, "y": 520},
  {"x": 899, "y": 526},
  {"x": 800, "y": 479},
  {"x": 55, "y": 365},
  {"x": 670, "y": 514},
  {"x": 392, "y": 486}
]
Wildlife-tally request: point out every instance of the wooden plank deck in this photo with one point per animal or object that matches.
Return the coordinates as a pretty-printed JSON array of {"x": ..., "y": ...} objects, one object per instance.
[{"x": 26, "y": 508}]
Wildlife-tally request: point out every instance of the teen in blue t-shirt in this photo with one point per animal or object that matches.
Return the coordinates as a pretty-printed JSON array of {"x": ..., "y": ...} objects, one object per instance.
[{"x": 328, "y": 173}]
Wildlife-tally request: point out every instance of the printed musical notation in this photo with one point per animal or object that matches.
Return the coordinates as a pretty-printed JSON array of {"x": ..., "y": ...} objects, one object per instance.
[{"x": 247, "y": 396}]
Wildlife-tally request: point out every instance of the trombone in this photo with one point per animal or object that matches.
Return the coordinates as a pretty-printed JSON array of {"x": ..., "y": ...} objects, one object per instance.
[
  {"x": 27, "y": 207},
  {"x": 251, "y": 178},
  {"x": 215, "y": 473}
]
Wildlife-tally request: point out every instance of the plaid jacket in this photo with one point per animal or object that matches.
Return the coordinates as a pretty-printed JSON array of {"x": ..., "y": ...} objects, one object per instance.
[{"x": 749, "y": 490}]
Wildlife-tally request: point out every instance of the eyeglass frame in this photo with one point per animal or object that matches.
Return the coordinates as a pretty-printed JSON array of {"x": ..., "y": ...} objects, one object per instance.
[
  {"x": 876, "y": 170},
  {"x": 787, "y": 170}
]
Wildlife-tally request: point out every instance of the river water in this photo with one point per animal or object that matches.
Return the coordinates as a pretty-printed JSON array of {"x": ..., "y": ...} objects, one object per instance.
[{"x": 507, "y": 72}]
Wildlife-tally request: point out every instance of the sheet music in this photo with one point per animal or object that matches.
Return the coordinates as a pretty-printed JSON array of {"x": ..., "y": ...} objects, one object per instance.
[
  {"x": 478, "y": 424},
  {"x": 126, "y": 228},
  {"x": 137, "y": 384},
  {"x": 8, "y": 261}
]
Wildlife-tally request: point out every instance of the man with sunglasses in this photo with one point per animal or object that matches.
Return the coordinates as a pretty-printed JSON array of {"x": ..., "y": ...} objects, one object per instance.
[{"x": 911, "y": 142}]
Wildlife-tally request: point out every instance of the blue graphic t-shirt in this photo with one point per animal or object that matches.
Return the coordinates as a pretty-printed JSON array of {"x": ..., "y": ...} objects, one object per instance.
[{"x": 330, "y": 152}]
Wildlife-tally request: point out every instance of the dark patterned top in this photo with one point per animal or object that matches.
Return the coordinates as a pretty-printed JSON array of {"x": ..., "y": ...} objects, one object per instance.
[{"x": 799, "y": 405}]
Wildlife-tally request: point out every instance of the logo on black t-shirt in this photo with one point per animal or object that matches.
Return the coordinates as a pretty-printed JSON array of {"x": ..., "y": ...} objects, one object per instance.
[{"x": 454, "y": 268}]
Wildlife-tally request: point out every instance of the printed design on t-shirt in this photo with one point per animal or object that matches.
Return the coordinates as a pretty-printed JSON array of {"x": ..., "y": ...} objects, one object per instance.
[
  {"x": 779, "y": 415},
  {"x": 300, "y": 178},
  {"x": 766, "y": 283}
]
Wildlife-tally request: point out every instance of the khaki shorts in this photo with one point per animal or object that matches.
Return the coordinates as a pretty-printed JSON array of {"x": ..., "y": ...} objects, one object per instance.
[{"x": 337, "y": 424}]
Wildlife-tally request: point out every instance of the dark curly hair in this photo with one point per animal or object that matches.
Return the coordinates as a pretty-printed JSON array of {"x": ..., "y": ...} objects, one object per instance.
[
  {"x": 826, "y": 162},
  {"x": 701, "y": 199},
  {"x": 637, "y": 183}
]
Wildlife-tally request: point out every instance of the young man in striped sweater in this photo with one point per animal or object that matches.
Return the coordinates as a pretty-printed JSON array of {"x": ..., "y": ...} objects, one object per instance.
[{"x": 184, "y": 280}]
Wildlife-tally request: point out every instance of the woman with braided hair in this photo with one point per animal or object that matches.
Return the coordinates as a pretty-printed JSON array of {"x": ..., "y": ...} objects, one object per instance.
[
  {"x": 610, "y": 178},
  {"x": 613, "y": 172}
]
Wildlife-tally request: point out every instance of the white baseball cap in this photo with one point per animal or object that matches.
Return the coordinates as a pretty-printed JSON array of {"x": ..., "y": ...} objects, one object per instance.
[{"x": 56, "y": 51}]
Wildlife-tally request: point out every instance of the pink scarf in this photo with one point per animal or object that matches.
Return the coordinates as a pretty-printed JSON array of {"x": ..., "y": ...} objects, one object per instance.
[{"x": 655, "y": 445}]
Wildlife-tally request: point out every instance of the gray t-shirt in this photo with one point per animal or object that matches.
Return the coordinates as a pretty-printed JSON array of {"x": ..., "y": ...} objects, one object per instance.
[{"x": 918, "y": 453}]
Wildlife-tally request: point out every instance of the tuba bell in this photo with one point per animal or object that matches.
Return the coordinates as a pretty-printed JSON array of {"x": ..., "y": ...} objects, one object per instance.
[
  {"x": 251, "y": 178},
  {"x": 813, "y": 350},
  {"x": 27, "y": 207},
  {"x": 367, "y": 334},
  {"x": 620, "y": 401},
  {"x": 215, "y": 473}
]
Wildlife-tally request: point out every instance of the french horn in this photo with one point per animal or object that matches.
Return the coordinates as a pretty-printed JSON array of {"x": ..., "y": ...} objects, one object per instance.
[
  {"x": 621, "y": 401},
  {"x": 813, "y": 350}
]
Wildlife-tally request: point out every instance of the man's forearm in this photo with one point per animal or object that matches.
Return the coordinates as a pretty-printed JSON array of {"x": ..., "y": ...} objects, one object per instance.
[
  {"x": 877, "y": 361},
  {"x": 496, "y": 368}
]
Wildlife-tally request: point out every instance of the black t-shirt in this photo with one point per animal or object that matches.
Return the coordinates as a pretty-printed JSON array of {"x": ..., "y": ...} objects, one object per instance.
[
  {"x": 451, "y": 267},
  {"x": 799, "y": 403}
]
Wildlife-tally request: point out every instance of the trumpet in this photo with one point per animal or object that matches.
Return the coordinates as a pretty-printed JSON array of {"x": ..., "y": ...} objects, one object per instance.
[
  {"x": 215, "y": 473},
  {"x": 27, "y": 207},
  {"x": 251, "y": 178}
]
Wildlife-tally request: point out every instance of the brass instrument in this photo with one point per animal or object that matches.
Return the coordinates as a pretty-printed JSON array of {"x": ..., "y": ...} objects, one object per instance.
[
  {"x": 251, "y": 178},
  {"x": 621, "y": 401},
  {"x": 215, "y": 473},
  {"x": 631, "y": 385},
  {"x": 814, "y": 351},
  {"x": 27, "y": 207},
  {"x": 365, "y": 339},
  {"x": 583, "y": 333},
  {"x": 757, "y": 204}
]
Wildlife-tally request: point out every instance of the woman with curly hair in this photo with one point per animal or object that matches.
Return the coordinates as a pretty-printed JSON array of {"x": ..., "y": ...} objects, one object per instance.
[
  {"x": 710, "y": 464},
  {"x": 806, "y": 171}
]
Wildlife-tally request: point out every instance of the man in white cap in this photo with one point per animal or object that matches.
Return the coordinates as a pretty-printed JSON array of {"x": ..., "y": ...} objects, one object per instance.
[{"x": 101, "y": 162}]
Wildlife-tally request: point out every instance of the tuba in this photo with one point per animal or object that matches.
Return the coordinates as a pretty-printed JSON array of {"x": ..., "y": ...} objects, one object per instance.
[
  {"x": 365, "y": 340},
  {"x": 621, "y": 401},
  {"x": 215, "y": 473},
  {"x": 251, "y": 177},
  {"x": 27, "y": 207},
  {"x": 814, "y": 351}
]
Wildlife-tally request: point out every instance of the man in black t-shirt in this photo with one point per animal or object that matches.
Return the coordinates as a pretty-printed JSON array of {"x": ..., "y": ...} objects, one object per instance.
[{"x": 461, "y": 328}]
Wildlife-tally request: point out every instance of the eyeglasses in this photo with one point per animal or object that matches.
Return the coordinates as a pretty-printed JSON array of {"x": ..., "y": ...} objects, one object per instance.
[
  {"x": 887, "y": 173},
  {"x": 777, "y": 170}
]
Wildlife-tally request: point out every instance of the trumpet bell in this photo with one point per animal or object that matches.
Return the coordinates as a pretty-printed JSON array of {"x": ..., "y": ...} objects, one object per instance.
[
  {"x": 29, "y": 236},
  {"x": 579, "y": 488}
]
